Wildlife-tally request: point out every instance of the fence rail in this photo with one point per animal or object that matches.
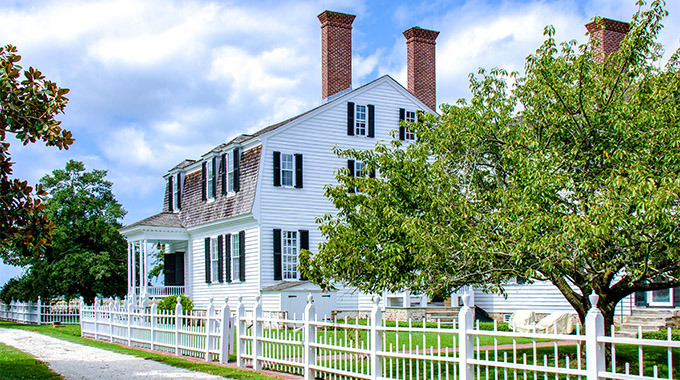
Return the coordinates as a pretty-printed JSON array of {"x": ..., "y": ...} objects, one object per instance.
[
  {"x": 37, "y": 313},
  {"x": 206, "y": 335},
  {"x": 380, "y": 349}
]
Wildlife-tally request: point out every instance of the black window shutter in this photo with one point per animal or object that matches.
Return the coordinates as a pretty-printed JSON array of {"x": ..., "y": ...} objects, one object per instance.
[
  {"x": 220, "y": 258},
  {"x": 207, "y": 260},
  {"x": 179, "y": 268},
  {"x": 214, "y": 178},
  {"x": 277, "y": 255},
  {"x": 227, "y": 257},
  {"x": 242, "y": 256},
  {"x": 203, "y": 179},
  {"x": 304, "y": 244},
  {"x": 170, "y": 207},
  {"x": 179, "y": 191},
  {"x": 371, "y": 120},
  {"x": 371, "y": 174},
  {"x": 277, "y": 168},
  {"x": 350, "y": 119},
  {"x": 169, "y": 269},
  {"x": 350, "y": 166},
  {"x": 223, "y": 172},
  {"x": 236, "y": 160},
  {"x": 298, "y": 170},
  {"x": 402, "y": 130}
]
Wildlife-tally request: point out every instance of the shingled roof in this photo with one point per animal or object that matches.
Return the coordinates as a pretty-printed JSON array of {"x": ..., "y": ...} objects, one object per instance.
[{"x": 164, "y": 219}]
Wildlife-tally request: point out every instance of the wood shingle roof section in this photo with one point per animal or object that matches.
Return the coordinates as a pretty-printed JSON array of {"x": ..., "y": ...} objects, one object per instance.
[
  {"x": 196, "y": 211},
  {"x": 164, "y": 219}
]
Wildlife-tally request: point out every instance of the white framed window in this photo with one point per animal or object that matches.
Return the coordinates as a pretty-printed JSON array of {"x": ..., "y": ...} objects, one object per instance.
[
  {"x": 229, "y": 162},
  {"x": 289, "y": 255},
  {"x": 410, "y": 117},
  {"x": 214, "y": 261},
  {"x": 176, "y": 184},
  {"x": 359, "y": 169},
  {"x": 360, "y": 121},
  {"x": 235, "y": 257},
  {"x": 287, "y": 168},
  {"x": 209, "y": 178}
]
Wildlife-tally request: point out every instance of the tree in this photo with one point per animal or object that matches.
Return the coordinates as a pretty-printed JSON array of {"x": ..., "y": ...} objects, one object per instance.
[
  {"x": 569, "y": 174},
  {"x": 28, "y": 107},
  {"x": 87, "y": 255}
]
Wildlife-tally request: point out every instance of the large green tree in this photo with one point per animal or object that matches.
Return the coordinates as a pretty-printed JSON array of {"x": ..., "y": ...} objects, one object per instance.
[
  {"x": 87, "y": 255},
  {"x": 568, "y": 173},
  {"x": 28, "y": 106}
]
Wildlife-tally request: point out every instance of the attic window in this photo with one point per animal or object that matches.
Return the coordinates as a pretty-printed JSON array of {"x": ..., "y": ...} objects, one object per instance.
[
  {"x": 210, "y": 178},
  {"x": 410, "y": 117}
]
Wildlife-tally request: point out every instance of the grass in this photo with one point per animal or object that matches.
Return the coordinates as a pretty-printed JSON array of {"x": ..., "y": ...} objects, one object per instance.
[
  {"x": 18, "y": 365},
  {"x": 71, "y": 333}
]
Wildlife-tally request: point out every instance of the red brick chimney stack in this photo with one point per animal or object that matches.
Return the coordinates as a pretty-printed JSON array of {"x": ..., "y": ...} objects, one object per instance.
[
  {"x": 336, "y": 52},
  {"x": 420, "y": 65},
  {"x": 609, "y": 34}
]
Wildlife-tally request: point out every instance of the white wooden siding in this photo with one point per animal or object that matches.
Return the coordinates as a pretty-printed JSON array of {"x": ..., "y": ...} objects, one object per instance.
[
  {"x": 314, "y": 137},
  {"x": 202, "y": 292}
]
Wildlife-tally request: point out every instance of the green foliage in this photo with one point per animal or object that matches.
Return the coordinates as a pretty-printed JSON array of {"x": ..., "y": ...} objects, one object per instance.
[
  {"x": 170, "y": 302},
  {"x": 661, "y": 335},
  {"x": 568, "y": 173},
  {"x": 28, "y": 106},
  {"x": 87, "y": 255}
]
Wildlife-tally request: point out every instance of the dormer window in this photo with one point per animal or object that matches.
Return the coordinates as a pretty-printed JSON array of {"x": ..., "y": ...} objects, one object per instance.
[
  {"x": 209, "y": 178},
  {"x": 176, "y": 191}
]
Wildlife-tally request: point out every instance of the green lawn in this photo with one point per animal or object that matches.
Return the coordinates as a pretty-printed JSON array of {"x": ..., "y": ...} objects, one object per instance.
[
  {"x": 71, "y": 333},
  {"x": 17, "y": 365}
]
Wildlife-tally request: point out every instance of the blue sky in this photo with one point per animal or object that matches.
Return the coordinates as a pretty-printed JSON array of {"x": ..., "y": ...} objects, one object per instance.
[{"x": 153, "y": 82}]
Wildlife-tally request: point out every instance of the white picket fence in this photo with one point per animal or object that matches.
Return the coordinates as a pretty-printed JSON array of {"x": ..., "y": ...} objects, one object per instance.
[
  {"x": 315, "y": 348},
  {"x": 37, "y": 313},
  {"x": 208, "y": 335}
]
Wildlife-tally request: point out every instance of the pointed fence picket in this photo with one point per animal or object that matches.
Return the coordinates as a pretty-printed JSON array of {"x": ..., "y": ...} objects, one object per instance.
[
  {"x": 40, "y": 312},
  {"x": 208, "y": 335},
  {"x": 316, "y": 348}
]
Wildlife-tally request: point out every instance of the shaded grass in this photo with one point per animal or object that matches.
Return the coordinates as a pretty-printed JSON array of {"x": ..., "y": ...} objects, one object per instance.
[
  {"x": 18, "y": 365},
  {"x": 71, "y": 333}
]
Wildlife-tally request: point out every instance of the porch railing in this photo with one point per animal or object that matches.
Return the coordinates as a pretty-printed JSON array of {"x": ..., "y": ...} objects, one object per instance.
[{"x": 161, "y": 291}]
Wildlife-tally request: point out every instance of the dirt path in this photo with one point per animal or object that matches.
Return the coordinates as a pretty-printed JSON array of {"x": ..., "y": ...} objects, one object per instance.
[{"x": 77, "y": 362}]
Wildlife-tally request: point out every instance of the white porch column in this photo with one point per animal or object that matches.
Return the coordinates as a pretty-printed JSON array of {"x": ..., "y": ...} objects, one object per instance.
[
  {"x": 141, "y": 269},
  {"x": 129, "y": 269},
  {"x": 146, "y": 268},
  {"x": 133, "y": 252},
  {"x": 406, "y": 299}
]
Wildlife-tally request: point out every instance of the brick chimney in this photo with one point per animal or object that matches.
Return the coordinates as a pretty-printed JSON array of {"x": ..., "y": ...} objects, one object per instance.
[
  {"x": 336, "y": 52},
  {"x": 420, "y": 64},
  {"x": 608, "y": 33}
]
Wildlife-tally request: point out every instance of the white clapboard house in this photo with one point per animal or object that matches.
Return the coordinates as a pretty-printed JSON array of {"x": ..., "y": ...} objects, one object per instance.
[{"x": 234, "y": 219}]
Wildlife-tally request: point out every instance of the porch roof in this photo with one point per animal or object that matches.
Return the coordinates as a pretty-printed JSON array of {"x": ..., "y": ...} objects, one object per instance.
[{"x": 163, "y": 219}]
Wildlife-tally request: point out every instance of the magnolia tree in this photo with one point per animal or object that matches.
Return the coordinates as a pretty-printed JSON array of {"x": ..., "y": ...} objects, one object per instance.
[{"x": 567, "y": 173}]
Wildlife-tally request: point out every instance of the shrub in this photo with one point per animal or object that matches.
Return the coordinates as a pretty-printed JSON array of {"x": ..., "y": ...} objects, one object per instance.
[
  {"x": 662, "y": 334},
  {"x": 168, "y": 303}
]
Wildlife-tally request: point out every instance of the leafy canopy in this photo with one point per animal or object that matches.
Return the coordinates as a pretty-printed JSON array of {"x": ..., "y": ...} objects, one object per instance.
[
  {"x": 28, "y": 106},
  {"x": 87, "y": 255},
  {"x": 568, "y": 173}
]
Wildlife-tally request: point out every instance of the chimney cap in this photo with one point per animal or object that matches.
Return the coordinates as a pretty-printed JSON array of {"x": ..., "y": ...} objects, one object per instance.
[
  {"x": 422, "y": 35},
  {"x": 333, "y": 18},
  {"x": 602, "y": 23}
]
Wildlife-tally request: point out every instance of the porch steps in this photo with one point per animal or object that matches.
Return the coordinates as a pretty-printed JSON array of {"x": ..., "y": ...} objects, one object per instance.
[
  {"x": 649, "y": 320},
  {"x": 445, "y": 314}
]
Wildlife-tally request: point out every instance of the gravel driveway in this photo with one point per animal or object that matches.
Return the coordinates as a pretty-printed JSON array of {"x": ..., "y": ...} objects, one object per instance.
[{"x": 77, "y": 362}]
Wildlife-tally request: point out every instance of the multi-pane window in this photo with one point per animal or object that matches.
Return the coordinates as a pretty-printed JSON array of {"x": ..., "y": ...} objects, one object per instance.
[
  {"x": 359, "y": 169},
  {"x": 410, "y": 117},
  {"x": 175, "y": 192},
  {"x": 214, "y": 261},
  {"x": 209, "y": 179},
  {"x": 235, "y": 257},
  {"x": 287, "y": 169},
  {"x": 289, "y": 255},
  {"x": 229, "y": 162},
  {"x": 360, "y": 121}
]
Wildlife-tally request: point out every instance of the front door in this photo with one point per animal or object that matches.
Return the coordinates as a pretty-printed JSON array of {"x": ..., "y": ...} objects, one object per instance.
[{"x": 663, "y": 297}]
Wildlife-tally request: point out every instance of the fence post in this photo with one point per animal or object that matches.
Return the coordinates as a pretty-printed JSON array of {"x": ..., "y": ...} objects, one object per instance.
[
  {"x": 257, "y": 334},
  {"x": 96, "y": 306},
  {"x": 240, "y": 333},
  {"x": 595, "y": 351},
  {"x": 154, "y": 311},
  {"x": 309, "y": 338},
  {"x": 208, "y": 317},
  {"x": 178, "y": 321},
  {"x": 226, "y": 329},
  {"x": 110, "y": 307},
  {"x": 128, "y": 311},
  {"x": 39, "y": 311},
  {"x": 376, "y": 339},
  {"x": 81, "y": 306},
  {"x": 466, "y": 320}
]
